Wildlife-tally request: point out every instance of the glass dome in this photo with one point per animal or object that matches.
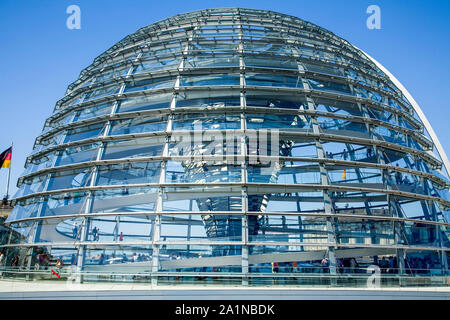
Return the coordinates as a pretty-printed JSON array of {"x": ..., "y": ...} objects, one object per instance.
[{"x": 233, "y": 142}]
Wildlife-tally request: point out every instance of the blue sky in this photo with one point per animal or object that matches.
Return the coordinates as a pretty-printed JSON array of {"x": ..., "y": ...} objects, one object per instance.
[{"x": 39, "y": 56}]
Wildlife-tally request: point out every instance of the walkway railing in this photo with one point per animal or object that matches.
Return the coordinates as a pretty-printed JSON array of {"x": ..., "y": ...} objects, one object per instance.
[{"x": 348, "y": 278}]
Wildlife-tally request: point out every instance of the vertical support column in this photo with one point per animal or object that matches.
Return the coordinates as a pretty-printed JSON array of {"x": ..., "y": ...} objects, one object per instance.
[
  {"x": 244, "y": 177},
  {"x": 244, "y": 209},
  {"x": 393, "y": 206},
  {"x": 244, "y": 240},
  {"x": 155, "y": 240},
  {"x": 244, "y": 204},
  {"x": 444, "y": 261},
  {"x": 189, "y": 228},
  {"x": 301, "y": 70},
  {"x": 401, "y": 256},
  {"x": 158, "y": 210},
  {"x": 162, "y": 179},
  {"x": 116, "y": 230},
  {"x": 36, "y": 233},
  {"x": 395, "y": 209},
  {"x": 85, "y": 226}
]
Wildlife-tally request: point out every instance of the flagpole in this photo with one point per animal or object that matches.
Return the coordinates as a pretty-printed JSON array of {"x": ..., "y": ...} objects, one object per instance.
[{"x": 9, "y": 174}]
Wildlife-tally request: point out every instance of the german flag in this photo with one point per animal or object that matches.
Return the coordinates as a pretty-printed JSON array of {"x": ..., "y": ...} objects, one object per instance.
[{"x": 5, "y": 158}]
